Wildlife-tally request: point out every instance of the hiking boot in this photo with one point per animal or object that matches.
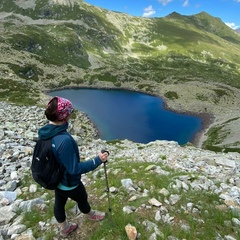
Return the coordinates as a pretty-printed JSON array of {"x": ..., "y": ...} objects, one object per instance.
[
  {"x": 71, "y": 227},
  {"x": 96, "y": 215}
]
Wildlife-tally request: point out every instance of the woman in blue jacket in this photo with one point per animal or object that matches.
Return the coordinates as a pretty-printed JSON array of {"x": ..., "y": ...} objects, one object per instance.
[{"x": 58, "y": 112}]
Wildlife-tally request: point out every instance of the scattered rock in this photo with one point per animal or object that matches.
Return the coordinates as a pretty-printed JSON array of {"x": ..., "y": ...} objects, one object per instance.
[
  {"x": 202, "y": 170},
  {"x": 131, "y": 232}
]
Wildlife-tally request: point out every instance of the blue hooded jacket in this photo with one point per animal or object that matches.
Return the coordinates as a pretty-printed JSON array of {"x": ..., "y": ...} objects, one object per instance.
[{"x": 68, "y": 154}]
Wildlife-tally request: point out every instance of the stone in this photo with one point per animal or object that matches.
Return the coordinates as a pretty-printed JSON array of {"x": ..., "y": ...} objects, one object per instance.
[
  {"x": 6, "y": 215},
  {"x": 155, "y": 202},
  {"x": 131, "y": 232}
]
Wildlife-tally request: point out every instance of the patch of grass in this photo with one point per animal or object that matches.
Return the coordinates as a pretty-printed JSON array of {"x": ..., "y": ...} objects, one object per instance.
[
  {"x": 220, "y": 149},
  {"x": 219, "y": 94},
  {"x": 206, "y": 219},
  {"x": 201, "y": 97},
  {"x": 171, "y": 95},
  {"x": 163, "y": 157},
  {"x": 32, "y": 220},
  {"x": 108, "y": 77},
  {"x": 215, "y": 136},
  {"x": 18, "y": 92},
  {"x": 51, "y": 45},
  {"x": 27, "y": 72},
  {"x": 146, "y": 87}
]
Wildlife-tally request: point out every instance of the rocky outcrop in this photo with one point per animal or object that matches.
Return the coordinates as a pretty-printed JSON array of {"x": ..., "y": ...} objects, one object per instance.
[{"x": 201, "y": 170}]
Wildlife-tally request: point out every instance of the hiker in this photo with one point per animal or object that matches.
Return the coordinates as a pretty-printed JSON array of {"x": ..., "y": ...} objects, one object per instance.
[{"x": 58, "y": 112}]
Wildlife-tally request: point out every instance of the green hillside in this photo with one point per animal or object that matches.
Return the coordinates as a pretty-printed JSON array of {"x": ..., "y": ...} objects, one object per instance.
[{"x": 63, "y": 34}]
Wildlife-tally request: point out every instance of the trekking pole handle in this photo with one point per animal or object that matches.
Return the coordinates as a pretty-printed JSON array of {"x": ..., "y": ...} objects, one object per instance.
[
  {"x": 103, "y": 151},
  {"x": 105, "y": 169}
]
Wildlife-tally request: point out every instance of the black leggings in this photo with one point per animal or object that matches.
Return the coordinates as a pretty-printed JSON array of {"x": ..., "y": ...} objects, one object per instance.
[{"x": 78, "y": 194}]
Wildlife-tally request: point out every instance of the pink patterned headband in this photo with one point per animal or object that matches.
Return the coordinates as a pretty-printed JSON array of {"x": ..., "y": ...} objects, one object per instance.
[{"x": 64, "y": 109}]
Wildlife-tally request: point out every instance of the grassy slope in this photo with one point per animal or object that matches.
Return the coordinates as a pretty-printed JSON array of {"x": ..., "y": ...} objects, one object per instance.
[
  {"x": 206, "y": 219},
  {"x": 57, "y": 46}
]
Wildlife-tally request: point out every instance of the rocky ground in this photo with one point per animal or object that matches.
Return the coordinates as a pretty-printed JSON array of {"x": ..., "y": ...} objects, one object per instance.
[
  {"x": 214, "y": 172},
  {"x": 217, "y": 104}
]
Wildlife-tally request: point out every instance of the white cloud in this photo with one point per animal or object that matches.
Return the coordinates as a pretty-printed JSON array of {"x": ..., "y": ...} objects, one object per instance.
[
  {"x": 186, "y": 2},
  {"x": 148, "y": 11},
  {"x": 237, "y": 1},
  {"x": 233, "y": 25},
  {"x": 164, "y": 2}
]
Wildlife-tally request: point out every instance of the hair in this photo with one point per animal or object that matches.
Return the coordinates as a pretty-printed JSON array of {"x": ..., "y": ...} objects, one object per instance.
[{"x": 52, "y": 110}]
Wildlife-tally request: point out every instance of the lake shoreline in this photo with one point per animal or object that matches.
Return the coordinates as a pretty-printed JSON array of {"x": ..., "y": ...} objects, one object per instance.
[
  {"x": 206, "y": 118},
  {"x": 197, "y": 140}
]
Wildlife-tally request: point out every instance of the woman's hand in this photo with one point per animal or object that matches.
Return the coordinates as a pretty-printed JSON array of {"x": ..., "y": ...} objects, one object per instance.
[{"x": 103, "y": 155}]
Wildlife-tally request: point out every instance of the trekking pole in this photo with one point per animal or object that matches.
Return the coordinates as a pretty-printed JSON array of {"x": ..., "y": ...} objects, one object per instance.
[{"x": 106, "y": 177}]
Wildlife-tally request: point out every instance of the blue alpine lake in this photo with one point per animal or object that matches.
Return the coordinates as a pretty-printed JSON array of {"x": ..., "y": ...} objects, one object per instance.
[{"x": 123, "y": 114}]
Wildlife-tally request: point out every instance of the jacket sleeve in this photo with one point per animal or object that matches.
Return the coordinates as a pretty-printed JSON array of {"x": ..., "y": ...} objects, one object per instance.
[{"x": 69, "y": 155}]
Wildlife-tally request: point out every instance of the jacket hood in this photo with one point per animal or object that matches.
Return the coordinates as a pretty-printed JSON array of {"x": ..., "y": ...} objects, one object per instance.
[{"x": 50, "y": 130}]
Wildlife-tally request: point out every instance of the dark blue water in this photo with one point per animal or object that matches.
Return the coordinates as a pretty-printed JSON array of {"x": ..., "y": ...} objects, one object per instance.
[{"x": 122, "y": 114}]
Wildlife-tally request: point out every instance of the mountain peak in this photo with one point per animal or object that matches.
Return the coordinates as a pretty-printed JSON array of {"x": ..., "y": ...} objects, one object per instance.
[
  {"x": 66, "y": 2},
  {"x": 174, "y": 15}
]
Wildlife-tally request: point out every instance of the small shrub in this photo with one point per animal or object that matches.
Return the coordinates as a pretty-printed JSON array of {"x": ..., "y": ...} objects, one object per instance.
[{"x": 171, "y": 95}]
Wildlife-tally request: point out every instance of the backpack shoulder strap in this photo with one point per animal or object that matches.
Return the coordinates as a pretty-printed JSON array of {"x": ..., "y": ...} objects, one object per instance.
[
  {"x": 58, "y": 159},
  {"x": 55, "y": 150}
]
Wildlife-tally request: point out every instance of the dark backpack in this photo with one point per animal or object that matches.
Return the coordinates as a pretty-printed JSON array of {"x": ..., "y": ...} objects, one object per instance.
[{"x": 46, "y": 170}]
